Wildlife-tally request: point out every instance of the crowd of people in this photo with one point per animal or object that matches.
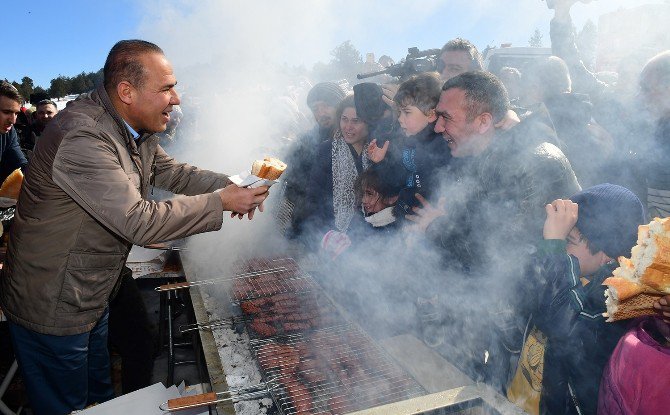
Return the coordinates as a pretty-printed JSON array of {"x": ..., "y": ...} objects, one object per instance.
[
  {"x": 482, "y": 211},
  {"x": 493, "y": 207}
]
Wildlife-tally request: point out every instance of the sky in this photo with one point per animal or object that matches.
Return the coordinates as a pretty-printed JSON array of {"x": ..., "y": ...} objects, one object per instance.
[{"x": 68, "y": 37}]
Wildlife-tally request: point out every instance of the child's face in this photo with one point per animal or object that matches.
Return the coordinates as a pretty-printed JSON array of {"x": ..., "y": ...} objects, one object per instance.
[
  {"x": 577, "y": 247},
  {"x": 413, "y": 120},
  {"x": 372, "y": 201}
]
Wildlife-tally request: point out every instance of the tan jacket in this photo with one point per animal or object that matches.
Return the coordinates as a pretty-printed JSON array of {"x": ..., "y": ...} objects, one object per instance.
[{"x": 81, "y": 208}]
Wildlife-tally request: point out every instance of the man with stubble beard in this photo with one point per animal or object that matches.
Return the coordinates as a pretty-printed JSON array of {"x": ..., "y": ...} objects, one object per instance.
[
  {"x": 82, "y": 206},
  {"x": 322, "y": 100}
]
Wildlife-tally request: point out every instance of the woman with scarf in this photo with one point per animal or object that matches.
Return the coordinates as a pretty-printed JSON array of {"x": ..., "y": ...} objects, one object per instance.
[{"x": 338, "y": 163}]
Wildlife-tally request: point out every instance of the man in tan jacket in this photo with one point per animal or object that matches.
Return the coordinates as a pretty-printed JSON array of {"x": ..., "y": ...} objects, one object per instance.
[{"x": 82, "y": 206}]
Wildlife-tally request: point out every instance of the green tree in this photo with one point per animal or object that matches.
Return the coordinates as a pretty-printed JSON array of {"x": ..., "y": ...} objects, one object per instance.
[
  {"x": 347, "y": 61},
  {"x": 26, "y": 88},
  {"x": 535, "y": 41},
  {"x": 60, "y": 87}
]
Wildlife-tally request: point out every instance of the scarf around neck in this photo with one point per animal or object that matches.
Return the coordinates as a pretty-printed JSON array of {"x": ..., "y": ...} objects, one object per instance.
[{"x": 344, "y": 179}]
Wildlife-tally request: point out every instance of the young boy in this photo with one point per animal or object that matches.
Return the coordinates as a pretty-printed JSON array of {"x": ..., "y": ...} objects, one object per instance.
[
  {"x": 563, "y": 356},
  {"x": 421, "y": 151}
]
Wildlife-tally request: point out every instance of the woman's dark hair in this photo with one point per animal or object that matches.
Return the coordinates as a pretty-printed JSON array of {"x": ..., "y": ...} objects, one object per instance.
[
  {"x": 383, "y": 178},
  {"x": 347, "y": 102}
]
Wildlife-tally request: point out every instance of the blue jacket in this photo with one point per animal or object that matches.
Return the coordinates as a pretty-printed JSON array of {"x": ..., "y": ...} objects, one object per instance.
[{"x": 11, "y": 156}]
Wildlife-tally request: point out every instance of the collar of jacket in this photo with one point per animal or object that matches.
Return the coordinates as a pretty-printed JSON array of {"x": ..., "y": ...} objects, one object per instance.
[{"x": 121, "y": 125}]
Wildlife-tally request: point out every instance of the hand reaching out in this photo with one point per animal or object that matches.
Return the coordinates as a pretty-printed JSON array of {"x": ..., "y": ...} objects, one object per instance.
[
  {"x": 425, "y": 215},
  {"x": 561, "y": 218},
  {"x": 663, "y": 308},
  {"x": 375, "y": 153}
]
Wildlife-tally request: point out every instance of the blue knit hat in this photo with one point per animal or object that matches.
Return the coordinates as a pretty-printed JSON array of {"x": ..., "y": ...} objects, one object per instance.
[{"x": 608, "y": 217}]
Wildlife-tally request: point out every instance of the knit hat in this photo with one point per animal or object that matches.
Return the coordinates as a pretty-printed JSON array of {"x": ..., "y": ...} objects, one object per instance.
[
  {"x": 328, "y": 92},
  {"x": 608, "y": 218}
]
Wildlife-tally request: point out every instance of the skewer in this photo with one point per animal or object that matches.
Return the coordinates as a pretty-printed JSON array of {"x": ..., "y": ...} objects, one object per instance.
[
  {"x": 162, "y": 247},
  {"x": 212, "y": 398},
  {"x": 181, "y": 285},
  {"x": 213, "y": 324}
]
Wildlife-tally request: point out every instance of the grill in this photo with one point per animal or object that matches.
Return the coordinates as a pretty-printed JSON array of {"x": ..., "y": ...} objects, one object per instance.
[
  {"x": 330, "y": 371},
  {"x": 331, "y": 367}
]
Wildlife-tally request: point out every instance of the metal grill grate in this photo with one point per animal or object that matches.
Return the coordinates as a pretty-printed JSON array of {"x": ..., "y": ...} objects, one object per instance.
[
  {"x": 335, "y": 370},
  {"x": 273, "y": 276}
]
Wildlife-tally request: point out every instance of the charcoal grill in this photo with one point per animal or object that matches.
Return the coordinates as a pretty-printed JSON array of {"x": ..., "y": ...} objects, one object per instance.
[{"x": 381, "y": 386}]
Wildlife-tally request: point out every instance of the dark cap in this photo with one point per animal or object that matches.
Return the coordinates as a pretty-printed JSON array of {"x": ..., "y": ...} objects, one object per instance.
[
  {"x": 328, "y": 92},
  {"x": 608, "y": 217}
]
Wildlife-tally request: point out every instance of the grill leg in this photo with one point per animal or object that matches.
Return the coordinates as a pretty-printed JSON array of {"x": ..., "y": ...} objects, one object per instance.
[{"x": 170, "y": 374}]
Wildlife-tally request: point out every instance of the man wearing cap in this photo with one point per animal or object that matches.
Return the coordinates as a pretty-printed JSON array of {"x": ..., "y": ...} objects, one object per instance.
[
  {"x": 11, "y": 157},
  {"x": 322, "y": 99},
  {"x": 83, "y": 204}
]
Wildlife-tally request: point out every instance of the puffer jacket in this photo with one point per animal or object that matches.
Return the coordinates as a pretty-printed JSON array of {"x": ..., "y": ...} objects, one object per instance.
[{"x": 82, "y": 206}]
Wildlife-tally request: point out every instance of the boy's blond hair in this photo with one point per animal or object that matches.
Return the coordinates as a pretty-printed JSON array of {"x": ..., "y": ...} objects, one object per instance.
[{"x": 422, "y": 91}]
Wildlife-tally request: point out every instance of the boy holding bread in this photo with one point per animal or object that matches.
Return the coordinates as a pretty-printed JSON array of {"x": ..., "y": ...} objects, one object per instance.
[{"x": 569, "y": 342}]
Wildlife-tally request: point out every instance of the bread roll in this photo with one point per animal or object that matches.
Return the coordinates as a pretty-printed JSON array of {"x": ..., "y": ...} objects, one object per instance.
[
  {"x": 641, "y": 280},
  {"x": 269, "y": 168},
  {"x": 12, "y": 185}
]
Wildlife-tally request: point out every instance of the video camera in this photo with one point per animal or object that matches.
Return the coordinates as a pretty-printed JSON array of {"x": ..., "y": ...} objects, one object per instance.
[{"x": 417, "y": 61}]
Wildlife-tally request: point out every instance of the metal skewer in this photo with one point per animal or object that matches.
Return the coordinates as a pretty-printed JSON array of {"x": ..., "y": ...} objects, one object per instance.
[{"x": 181, "y": 285}]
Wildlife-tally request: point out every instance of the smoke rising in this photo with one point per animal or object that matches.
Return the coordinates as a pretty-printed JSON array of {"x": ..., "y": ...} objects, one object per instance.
[{"x": 239, "y": 96}]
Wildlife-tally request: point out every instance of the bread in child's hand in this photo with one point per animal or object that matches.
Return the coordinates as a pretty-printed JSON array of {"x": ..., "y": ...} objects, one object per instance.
[
  {"x": 269, "y": 168},
  {"x": 12, "y": 185}
]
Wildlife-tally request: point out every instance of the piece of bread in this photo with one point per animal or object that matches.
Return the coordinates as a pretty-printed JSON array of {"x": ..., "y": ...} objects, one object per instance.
[
  {"x": 641, "y": 280},
  {"x": 269, "y": 168},
  {"x": 12, "y": 185},
  {"x": 636, "y": 306}
]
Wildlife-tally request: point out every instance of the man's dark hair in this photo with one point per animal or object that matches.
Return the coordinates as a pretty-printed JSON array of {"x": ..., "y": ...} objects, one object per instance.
[
  {"x": 551, "y": 75},
  {"x": 463, "y": 45},
  {"x": 421, "y": 91},
  {"x": 8, "y": 90},
  {"x": 484, "y": 92},
  {"x": 123, "y": 63},
  {"x": 46, "y": 102}
]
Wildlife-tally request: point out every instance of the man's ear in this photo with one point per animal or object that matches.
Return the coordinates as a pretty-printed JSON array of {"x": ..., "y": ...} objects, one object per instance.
[
  {"x": 125, "y": 92},
  {"x": 484, "y": 123},
  {"x": 432, "y": 117}
]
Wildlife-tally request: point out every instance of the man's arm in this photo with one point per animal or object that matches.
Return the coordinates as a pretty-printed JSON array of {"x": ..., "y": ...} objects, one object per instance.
[
  {"x": 87, "y": 168},
  {"x": 563, "y": 45},
  {"x": 184, "y": 179}
]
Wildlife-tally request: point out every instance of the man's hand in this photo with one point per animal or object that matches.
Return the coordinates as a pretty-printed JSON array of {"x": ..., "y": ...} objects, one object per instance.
[
  {"x": 375, "y": 153},
  {"x": 663, "y": 308},
  {"x": 561, "y": 218},
  {"x": 388, "y": 93},
  {"x": 509, "y": 120},
  {"x": 243, "y": 200},
  {"x": 425, "y": 215}
]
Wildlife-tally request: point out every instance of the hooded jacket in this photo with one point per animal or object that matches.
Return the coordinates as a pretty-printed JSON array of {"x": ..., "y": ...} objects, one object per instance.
[{"x": 83, "y": 206}]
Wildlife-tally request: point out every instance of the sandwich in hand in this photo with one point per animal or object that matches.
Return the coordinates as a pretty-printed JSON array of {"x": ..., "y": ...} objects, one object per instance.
[
  {"x": 269, "y": 168},
  {"x": 644, "y": 278},
  {"x": 12, "y": 185}
]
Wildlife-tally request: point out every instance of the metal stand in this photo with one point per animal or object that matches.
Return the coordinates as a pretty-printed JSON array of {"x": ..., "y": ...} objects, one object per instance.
[
  {"x": 167, "y": 314},
  {"x": 4, "y": 409}
]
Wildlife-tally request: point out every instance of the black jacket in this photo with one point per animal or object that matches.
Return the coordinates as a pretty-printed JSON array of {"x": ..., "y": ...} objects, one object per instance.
[
  {"x": 497, "y": 200},
  {"x": 11, "y": 156}
]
